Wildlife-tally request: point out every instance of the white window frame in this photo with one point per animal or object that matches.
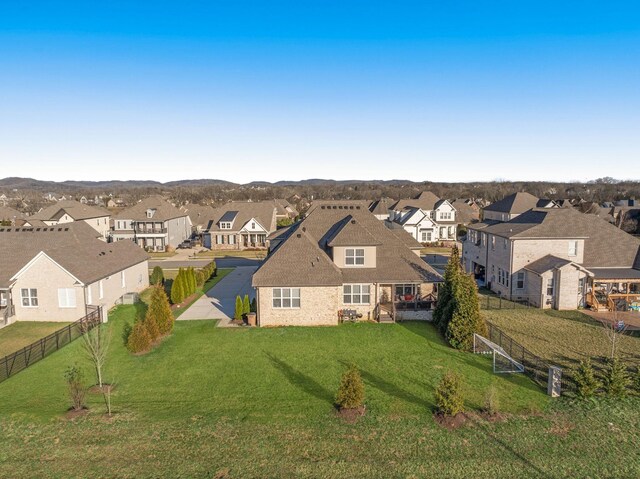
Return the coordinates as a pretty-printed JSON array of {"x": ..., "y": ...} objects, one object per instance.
[
  {"x": 67, "y": 298},
  {"x": 356, "y": 294},
  {"x": 573, "y": 248},
  {"x": 351, "y": 254},
  {"x": 31, "y": 295},
  {"x": 285, "y": 298},
  {"x": 225, "y": 225},
  {"x": 550, "y": 287}
]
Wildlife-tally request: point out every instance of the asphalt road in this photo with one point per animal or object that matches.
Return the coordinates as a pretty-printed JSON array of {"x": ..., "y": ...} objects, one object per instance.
[{"x": 224, "y": 262}]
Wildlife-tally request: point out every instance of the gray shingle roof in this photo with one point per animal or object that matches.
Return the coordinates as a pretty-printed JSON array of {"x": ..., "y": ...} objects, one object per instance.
[
  {"x": 74, "y": 246},
  {"x": 381, "y": 206},
  {"x": 517, "y": 203},
  {"x": 263, "y": 211},
  {"x": 546, "y": 263},
  {"x": 198, "y": 214},
  {"x": 78, "y": 211},
  {"x": 303, "y": 257},
  {"x": 605, "y": 245},
  {"x": 163, "y": 210},
  {"x": 426, "y": 201},
  {"x": 351, "y": 233},
  {"x": 8, "y": 214}
]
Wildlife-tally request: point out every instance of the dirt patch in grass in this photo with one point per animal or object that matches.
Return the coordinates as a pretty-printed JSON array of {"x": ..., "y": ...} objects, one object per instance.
[
  {"x": 106, "y": 388},
  {"x": 451, "y": 422},
  {"x": 351, "y": 415},
  {"x": 73, "y": 414}
]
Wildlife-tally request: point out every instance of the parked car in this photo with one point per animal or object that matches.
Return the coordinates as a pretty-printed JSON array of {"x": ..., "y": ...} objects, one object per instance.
[{"x": 187, "y": 244}]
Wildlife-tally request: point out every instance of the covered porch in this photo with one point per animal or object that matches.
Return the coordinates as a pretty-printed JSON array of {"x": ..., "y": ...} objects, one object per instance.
[
  {"x": 406, "y": 301},
  {"x": 7, "y": 309},
  {"x": 253, "y": 240},
  {"x": 614, "y": 294}
]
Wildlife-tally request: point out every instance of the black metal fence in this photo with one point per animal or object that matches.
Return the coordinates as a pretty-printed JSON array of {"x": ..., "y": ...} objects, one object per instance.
[
  {"x": 535, "y": 367},
  {"x": 488, "y": 301},
  {"x": 25, "y": 357}
]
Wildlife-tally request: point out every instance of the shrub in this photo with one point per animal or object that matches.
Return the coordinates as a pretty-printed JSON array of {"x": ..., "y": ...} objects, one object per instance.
[
  {"x": 77, "y": 392},
  {"x": 585, "y": 378},
  {"x": 139, "y": 339},
  {"x": 152, "y": 327},
  {"x": 491, "y": 403},
  {"x": 177, "y": 290},
  {"x": 636, "y": 380},
  {"x": 159, "y": 311},
  {"x": 126, "y": 332},
  {"x": 239, "y": 308},
  {"x": 246, "y": 305},
  {"x": 442, "y": 312},
  {"x": 617, "y": 379},
  {"x": 200, "y": 278},
  {"x": 448, "y": 395},
  {"x": 254, "y": 306},
  {"x": 191, "y": 280},
  {"x": 350, "y": 393},
  {"x": 157, "y": 276}
]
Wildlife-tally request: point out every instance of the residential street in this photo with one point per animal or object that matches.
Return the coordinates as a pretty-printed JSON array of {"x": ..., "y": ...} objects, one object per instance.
[{"x": 219, "y": 302}]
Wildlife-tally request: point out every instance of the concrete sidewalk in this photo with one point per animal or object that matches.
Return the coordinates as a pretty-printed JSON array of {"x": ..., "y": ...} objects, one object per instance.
[{"x": 220, "y": 301}]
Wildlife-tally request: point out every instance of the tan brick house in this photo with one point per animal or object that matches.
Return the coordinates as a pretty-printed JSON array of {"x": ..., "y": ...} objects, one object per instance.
[
  {"x": 556, "y": 258},
  {"x": 338, "y": 260},
  {"x": 55, "y": 273}
]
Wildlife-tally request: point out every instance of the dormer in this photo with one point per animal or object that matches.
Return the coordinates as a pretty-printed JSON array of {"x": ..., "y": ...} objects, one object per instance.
[
  {"x": 227, "y": 220},
  {"x": 352, "y": 246},
  {"x": 151, "y": 212}
]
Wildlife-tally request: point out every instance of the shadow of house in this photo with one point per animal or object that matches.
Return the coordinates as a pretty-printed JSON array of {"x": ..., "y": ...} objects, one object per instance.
[{"x": 301, "y": 381}]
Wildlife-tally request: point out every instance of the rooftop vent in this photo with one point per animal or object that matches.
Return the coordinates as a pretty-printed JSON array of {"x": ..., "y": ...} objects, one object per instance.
[
  {"x": 353, "y": 222},
  {"x": 298, "y": 235},
  {"x": 304, "y": 228},
  {"x": 357, "y": 207},
  {"x": 322, "y": 207}
]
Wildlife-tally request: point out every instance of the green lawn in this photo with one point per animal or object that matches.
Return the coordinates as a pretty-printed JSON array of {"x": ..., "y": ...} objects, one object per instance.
[
  {"x": 21, "y": 334},
  {"x": 562, "y": 337},
  {"x": 250, "y": 402}
]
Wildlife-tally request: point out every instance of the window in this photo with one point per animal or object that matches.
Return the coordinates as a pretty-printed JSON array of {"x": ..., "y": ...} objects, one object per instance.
[
  {"x": 232, "y": 239},
  {"x": 581, "y": 284},
  {"x": 225, "y": 226},
  {"x": 445, "y": 215},
  {"x": 356, "y": 293},
  {"x": 354, "y": 256},
  {"x": 426, "y": 236},
  {"x": 573, "y": 248},
  {"x": 253, "y": 226},
  {"x": 66, "y": 297},
  {"x": 550, "y": 287},
  {"x": 520, "y": 280},
  {"x": 286, "y": 298},
  {"x": 493, "y": 242},
  {"x": 29, "y": 297}
]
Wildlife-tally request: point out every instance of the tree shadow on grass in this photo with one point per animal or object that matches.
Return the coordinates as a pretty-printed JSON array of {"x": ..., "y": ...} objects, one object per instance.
[
  {"x": 389, "y": 388},
  {"x": 300, "y": 380}
]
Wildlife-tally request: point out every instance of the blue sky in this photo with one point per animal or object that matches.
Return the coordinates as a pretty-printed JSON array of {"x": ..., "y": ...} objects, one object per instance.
[{"x": 441, "y": 91}]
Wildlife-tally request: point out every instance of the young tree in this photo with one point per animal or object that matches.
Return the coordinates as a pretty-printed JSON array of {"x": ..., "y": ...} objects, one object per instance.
[
  {"x": 585, "y": 378},
  {"x": 95, "y": 344},
  {"x": 465, "y": 318},
  {"x": 200, "y": 278},
  {"x": 614, "y": 332},
  {"x": 77, "y": 392},
  {"x": 350, "y": 393},
  {"x": 448, "y": 395},
  {"x": 491, "y": 402},
  {"x": 617, "y": 379},
  {"x": 157, "y": 276},
  {"x": 246, "y": 305},
  {"x": 254, "y": 306},
  {"x": 191, "y": 280},
  {"x": 160, "y": 311},
  {"x": 139, "y": 339},
  {"x": 442, "y": 313},
  {"x": 239, "y": 309}
]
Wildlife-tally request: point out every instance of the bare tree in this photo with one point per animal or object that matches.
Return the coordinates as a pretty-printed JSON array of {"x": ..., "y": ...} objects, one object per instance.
[
  {"x": 96, "y": 342},
  {"x": 614, "y": 331}
]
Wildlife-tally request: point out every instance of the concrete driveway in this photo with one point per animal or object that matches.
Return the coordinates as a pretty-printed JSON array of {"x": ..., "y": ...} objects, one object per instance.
[{"x": 220, "y": 301}]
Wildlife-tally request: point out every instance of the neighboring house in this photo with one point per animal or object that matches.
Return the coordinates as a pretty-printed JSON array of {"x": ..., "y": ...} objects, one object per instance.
[
  {"x": 340, "y": 257},
  {"x": 200, "y": 215},
  {"x": 593, "y": 208},
  {"x": 426, "y": 218},
  {"x": 153, "y": 224},
  {"x": 241, "y": 225},
  {"x": 11, "y": 217},
  {"x": 467, "y": 211},
  {"x": 68, "y": 211},
  {"x": 513, "y": 205},
  {"x": 556, "y": 258},
  {"x": 284, "y": 210},
  {"x": 380, "y": 208},
  {"x": 57, "y": 273}
]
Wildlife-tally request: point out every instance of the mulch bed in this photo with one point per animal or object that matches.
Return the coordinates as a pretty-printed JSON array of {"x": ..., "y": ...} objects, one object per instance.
[
  {"x": 451, "y": 422},
  {"x": 185, "y": 301},
  {"x": 352, "y": 415},
  {"x": 73, "y": 414}
]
